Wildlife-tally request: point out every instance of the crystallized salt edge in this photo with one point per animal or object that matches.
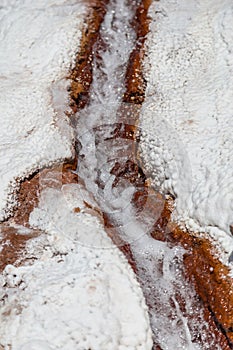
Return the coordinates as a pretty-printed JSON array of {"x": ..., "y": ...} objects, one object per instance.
[
  {"x": 39, "y": 43},
  {"x": 188, "y": 68}
]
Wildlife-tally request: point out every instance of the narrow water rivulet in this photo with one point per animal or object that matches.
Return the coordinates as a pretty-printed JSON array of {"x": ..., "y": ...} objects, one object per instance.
[{"x": 106, "y": 143}]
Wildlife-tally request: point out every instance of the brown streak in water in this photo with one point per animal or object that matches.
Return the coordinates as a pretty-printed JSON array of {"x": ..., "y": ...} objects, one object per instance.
[
  {"x": 135, "y": 82},
  {"x": 81, "y": 75}
]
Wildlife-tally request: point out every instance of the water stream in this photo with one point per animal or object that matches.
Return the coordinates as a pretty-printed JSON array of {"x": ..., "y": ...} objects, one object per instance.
[{"x": 104, "y": 135}]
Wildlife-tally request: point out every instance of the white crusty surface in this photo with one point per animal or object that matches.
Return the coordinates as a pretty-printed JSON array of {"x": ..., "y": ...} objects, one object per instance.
[
  {"x": 38, "y": 44},
  {"x": 80, "y": 293},
  {"x": 187, "y": 119}
]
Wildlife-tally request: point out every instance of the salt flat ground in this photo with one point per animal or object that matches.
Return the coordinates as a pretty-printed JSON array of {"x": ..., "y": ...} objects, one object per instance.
[{"x": 188, "y": 113}]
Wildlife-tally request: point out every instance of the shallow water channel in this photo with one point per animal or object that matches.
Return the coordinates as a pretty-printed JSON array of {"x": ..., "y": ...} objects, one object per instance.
[{"x": 107, "y": 143}]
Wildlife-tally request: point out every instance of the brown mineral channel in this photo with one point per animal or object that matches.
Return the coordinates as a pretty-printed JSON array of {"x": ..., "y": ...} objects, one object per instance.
[
  {"x": 135, "y": 82},
  {"x": 202, "y": 267},
  {"x": 81, "y": 75}
]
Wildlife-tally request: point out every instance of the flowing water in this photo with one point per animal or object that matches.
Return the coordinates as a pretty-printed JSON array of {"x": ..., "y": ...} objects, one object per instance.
[{"x": 106, "y": 142}]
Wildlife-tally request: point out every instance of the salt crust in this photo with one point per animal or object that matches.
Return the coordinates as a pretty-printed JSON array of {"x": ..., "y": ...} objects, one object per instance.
[
  {"x": 38, "y": 43},
  {"x": 74, "y": 296},
  {"x": 187, "y": 118}
]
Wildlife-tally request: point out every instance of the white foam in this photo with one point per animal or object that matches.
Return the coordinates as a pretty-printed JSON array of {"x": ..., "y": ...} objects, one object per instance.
[
  {"x": 176, "y": 314},
  {"x": 39, "y": 40},
  {"x": 188, "y": 112}
]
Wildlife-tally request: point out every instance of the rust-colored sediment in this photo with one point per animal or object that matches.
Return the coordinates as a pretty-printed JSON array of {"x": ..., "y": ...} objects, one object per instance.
[
  {"x": 12, "y": 245},
  {"x": 81, "y": 75},
  {"x": 12, "y": 242},
  {"x": 135, "y": 82},
  {"x": 211, "y": 279},
  {"x": 30, "y": 189}
]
